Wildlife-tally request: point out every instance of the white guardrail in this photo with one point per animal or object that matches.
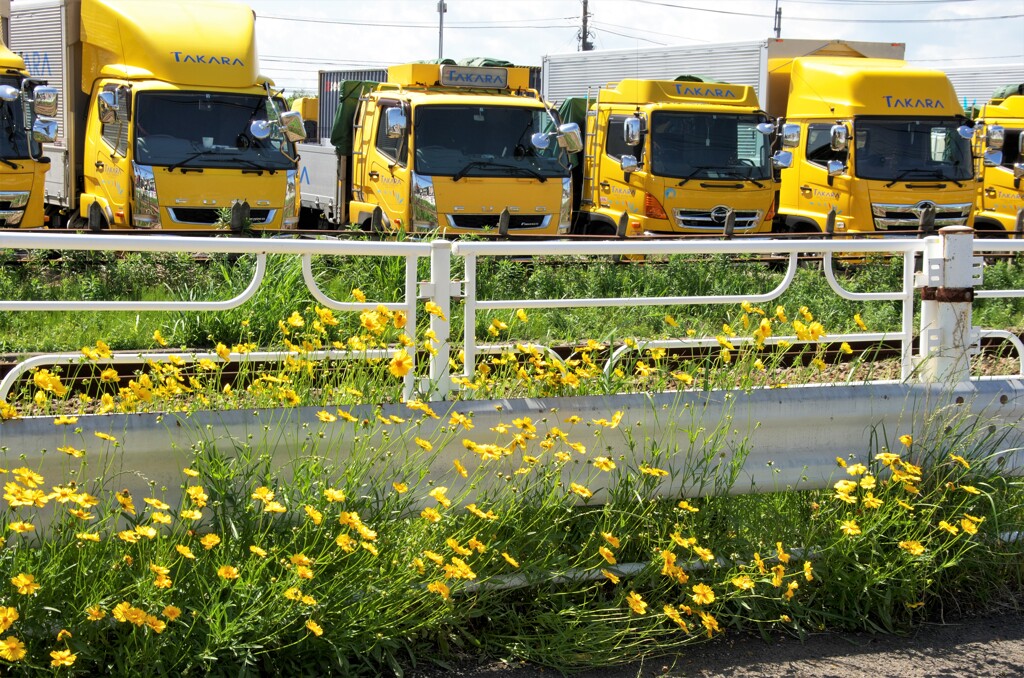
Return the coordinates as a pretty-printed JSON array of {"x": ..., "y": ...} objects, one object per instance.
[{"x": 798, "y": 429}]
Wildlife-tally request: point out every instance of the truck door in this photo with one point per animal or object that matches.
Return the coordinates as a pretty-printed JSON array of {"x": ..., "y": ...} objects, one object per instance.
[
  {"x": 1003, "y": 194},
  {"x": 386, "y": 172},
  {"x": 816, "y": 192},
  {"x": 107, "y": 171}
]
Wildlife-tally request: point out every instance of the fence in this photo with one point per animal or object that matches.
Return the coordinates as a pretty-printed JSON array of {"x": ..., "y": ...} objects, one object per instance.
[{"x": 845, "y": 416}]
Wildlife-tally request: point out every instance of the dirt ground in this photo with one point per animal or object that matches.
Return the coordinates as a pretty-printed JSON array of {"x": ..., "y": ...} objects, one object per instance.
[{"x": 984, "y": 646}]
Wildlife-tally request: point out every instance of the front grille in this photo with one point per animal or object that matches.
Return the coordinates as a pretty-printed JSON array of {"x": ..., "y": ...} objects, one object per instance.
[
  {"x": 908, "y": 217},
  {"x": 481, "y": 221},
  {"x": 706, "y": 220},
  {"x": 208, "y": 217}
]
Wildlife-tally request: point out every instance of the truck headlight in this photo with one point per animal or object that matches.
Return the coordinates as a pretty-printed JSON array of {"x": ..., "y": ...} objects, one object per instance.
[
  {"x": 565, "y": 212},
  {"x": 290, "y": 212},
  {"x": 145, "y": 206}
]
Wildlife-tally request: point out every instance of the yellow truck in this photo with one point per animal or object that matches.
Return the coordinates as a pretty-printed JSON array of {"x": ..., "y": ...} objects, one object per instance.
[
  {"x": 453, "y": 149},
  {"x": 873, "y": 138},
  {"x": 24, "y": 105},
  {"x": 1000, "y": 197},
  {"x": 674, "y": 156},
  {"x": 165, "y": 120},
  {"x": 877, "y": 140}
]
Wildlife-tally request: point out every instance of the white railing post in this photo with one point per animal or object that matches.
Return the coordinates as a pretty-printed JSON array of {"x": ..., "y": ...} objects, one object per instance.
[
  {"x": 947, "y": 283},
  {"x": 441, "y": 288}
]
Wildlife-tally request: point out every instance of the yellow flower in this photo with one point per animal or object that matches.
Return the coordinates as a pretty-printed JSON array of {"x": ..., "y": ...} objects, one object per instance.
[
  {"x": 610, "y": 576},
  {"x": 439, "y": 588},
  {"x": 172, "y": 612},
  {"x": 651, "y": 471},
  {"x": 209, "y": 541},
  {"x": 227, "y": 572},
  {"x": 612, "y": 540},
  {"x": 257, "y": 551},
  {"x": 860, "y": 323},
  {"x": 315, "y": 516},
  {"x": 190, "y": 514},
  {"x": 295, "y": 319},
  {"x": 12, "y": 649},
  {"x": 914, "y": 548},
  {"x": 850, "y": 528},
  {"x": 433, "y": 309},
  {"x": 64, "y": 420},
  {"x": 20, "y": 527},
  {"x": 400, "y": 488},
  {"x": 702, "y": 594},
  {"x": 8, "y": 615},
  {"x": 423, "y": 444},
  {"x": 604, "y": 464},
  {"x": 314, "y": 628},
  {"x": 439, "y": 495},
  {"x": 401, "y": 363},
  {"x": 509, "y": 559},
  {"x": 580, "y": 490},
  {"x": 845, "y": 348},
  {"x": 431, "y": 515},
  {"x": 970, "y": 489},
  {"x": 636, "y": 603},
  {"x": 686, "y": 506},
  {"x": 25, "y": 583},
  {"x": 808, "y": 572},
  {"x": 325, "y": 416},
  {"x": 185, "y": 551},
  {"x": 952, "y": 529},
  {"x": 71, "y": 451},
  {"x": 907, "y": 440},
  {"x": 743, "y": 582},
  {"x": 607, "y": 554},
  {"x": 95, "y": 613}
]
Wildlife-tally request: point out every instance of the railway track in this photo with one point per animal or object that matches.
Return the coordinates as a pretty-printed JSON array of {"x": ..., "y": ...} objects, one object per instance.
[{"x": 85, "y": 377}]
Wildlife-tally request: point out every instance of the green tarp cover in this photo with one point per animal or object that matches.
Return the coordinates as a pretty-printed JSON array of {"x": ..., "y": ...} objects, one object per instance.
[
  {"x": 470, "y": 61},
  {"x": 1008, "y": 91},
  {"x": 574, "y": 109},
  {"x": 349, "y": 92}
]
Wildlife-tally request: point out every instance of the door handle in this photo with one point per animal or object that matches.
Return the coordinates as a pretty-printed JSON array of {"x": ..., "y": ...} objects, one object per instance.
[
  {"x": 375, "y": 175},
  {"x": 990, "y": 192},
  {"x": 605, "y": 185},
  {"x": 99, "y": 165},
  {"x": 805, "y": 188}
]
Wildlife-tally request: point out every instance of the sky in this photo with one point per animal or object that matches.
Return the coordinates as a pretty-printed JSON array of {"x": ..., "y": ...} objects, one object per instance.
[{"x": 298, "y": 38}]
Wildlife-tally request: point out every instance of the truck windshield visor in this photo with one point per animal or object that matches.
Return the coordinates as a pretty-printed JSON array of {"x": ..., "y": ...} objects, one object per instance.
[
  {"x": 13, "y": 140},
  {"x": 894, "y": 149},
  {"x": 207, "y": 129},
  {"x": 709, "y": 146},
  {"x": 483, "y": 141}
]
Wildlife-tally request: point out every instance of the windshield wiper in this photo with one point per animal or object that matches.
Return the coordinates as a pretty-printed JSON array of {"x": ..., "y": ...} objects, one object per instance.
[
  {"x": 740, "y": 175},
  {"x": 250, "y": 163},
  {"x": 696, "y": 170},
  {"x": 189, "y": 159},
  {"x": 937, "y": 173},
  {"x": 488, "y": 163}
]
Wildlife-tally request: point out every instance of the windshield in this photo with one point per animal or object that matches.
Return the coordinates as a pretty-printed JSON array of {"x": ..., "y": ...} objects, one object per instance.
[
  {"x": 206, "y": 129},
  {"x": 483, "y": 141},
  {"x": 13, "y": 140},
  {"x": 708, "y": 146},
  {"x": 898, "y": 148}
]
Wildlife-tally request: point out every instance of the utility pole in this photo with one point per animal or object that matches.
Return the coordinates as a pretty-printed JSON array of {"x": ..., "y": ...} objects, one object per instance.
[
  {"x": 778, "y": 20},
  {"x": 442, "y": 7},
  {"x": 584, "y": 35}
]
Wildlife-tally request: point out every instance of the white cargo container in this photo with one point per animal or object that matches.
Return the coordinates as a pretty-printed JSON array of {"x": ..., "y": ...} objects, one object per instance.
[
  {"x": 975, "y": 84},
  {"x": 739, "y": 63}
]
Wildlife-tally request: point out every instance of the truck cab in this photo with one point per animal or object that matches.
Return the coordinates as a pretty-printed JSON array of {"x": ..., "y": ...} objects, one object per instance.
[
  {"x": 1000, "y": 196},
  {"x": 675, "y": 157},
  {"x": 166, "y": 121},
  {"x": 876, "y": 140},
  {"x": 448, "y": 148},
  {"x": 23, "y": 166}
]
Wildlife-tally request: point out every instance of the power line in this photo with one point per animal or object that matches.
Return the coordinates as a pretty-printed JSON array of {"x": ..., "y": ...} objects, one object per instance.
[
  {"x": 832, "y": 19},
  {"x": 386, "y": 24}
]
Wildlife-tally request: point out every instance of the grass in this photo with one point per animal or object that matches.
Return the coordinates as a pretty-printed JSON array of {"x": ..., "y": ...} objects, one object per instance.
[{"x": 361, "y": 560}]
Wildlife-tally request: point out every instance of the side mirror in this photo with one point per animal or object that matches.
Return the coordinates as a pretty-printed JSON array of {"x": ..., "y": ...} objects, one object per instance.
[
  {"x": 44, "y": 101},
  {"x": 291, "y": 123},
  {"x": 8, "y": 93},
  {"x": 540, "y": 140},
  {"x": 260, "y": 129},
  {"x": 994, "y": 137},
  {"x": 993, "y": 158},
  {"x": 765, "y": 128},
  {"x": 628, "y": 163},
  {"x": 570, "y": 138},
  {"x": 836, "y": 168},
  {"x": 395, "y": 122},
  {"x": 840, "y": 137},
  {"x": 1018, "y": 170},
  {"x": 790, "y": 135},
  {"x": 107, "y": 107},
  {"x": 782, "y": 159},
  {"x": 965, "y": 132},
  {"x": 44, "y": 131},
  {"x": 632, "y": 128}
]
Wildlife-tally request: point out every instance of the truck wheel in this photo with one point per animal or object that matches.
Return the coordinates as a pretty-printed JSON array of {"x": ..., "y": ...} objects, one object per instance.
[
  {"x": 990, "y": 229},
  {"x": 600, "y": 228}
]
